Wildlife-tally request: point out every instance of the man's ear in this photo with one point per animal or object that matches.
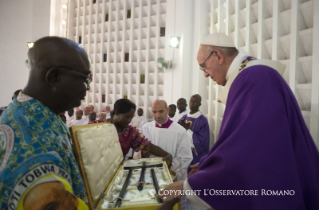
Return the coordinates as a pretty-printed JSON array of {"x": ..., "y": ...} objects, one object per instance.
[
  {"x": 220, "y": 56},
  {"x": 52, "y": 76}
]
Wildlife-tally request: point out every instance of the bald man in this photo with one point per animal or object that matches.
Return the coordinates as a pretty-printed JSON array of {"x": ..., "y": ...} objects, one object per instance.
[
  {"x": 139, "y": 120},
  {"x": 34, "y": 138},
  {"x": 197, "y": 128},
  {"x": 170, "y": 136}
]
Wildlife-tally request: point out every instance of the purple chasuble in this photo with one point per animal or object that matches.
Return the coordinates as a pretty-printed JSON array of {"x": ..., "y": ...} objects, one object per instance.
[
  {"x": 165, "y": 125},
  {"x": 200, "y": 129},
  {"x": 263, "y": 145}
]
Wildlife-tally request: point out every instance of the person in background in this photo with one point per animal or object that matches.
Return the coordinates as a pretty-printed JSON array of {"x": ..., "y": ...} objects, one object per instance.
[
  {"x": 70, "y": 116},
  {"x": 108, "y": 112},
  {"x": 264, "y": 145},
  {"x": 181, "y": 106},
  {"x": 92, "y": 118},
  {"x": 197, "y": 128},
  {"x": 172, "y": 111},
  {"x": 170, "y": 136},
  {"x": 91, "y": 106},
  {"x": 129, "y": 136},
  {"x": 79, "y": 118},
  {"x": 139, "y": 120},
  {"x": 63, "y": 118},
  {"x": 86, "y": 113},
  {"x": 33, "y": 138},
  {"x": 102, "y": 117}
]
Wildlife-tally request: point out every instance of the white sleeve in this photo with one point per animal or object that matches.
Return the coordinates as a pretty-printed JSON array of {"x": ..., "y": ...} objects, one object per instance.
[
  {"x": 184, "y": 156},
  {"x": 132, "y": 122},
  {"x": 193, "y": 200}
]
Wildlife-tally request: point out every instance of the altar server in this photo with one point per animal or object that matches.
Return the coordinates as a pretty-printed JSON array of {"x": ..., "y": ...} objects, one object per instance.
[
  {"x": 181, "y": 106},
  {"x": 197, "y": 128},
  {"x": 139, "y": 120},
  {"x": 170, "y": 136}
]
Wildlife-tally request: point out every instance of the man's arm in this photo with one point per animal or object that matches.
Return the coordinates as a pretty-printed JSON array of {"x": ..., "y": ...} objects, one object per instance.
[{"x": 184, "y": 155}]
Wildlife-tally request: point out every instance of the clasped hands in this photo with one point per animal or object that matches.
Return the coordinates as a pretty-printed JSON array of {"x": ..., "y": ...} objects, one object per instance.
[{"x": 184, "y": 124}]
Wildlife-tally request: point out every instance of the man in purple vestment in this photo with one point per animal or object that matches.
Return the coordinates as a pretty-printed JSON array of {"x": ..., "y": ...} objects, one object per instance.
[
  {"x": 197, "y": 128},
  {"x": 264, "y": 157}
]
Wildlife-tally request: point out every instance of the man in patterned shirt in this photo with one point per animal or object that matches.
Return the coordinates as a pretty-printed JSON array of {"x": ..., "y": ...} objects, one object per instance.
[{"x": 37, "y": 165}]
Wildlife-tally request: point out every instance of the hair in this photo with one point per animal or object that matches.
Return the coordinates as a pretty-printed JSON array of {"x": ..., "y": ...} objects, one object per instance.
[
  {"x": 183, "y": 100},
  {"x": 198, "y": 96},
  {"x": 122, "y": 106},
  {"x": 172, "y": 105},
  {"x": 229, "y": 51}
]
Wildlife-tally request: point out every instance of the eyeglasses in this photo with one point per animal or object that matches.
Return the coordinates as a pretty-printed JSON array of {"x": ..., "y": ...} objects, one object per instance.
[
  {"x": 88, "y": 78},
  {"x": 202, "y": 66}
]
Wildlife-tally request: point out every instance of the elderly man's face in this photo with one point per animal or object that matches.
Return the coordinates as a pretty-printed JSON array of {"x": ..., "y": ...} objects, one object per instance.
[{"x": 212, "y": 65}]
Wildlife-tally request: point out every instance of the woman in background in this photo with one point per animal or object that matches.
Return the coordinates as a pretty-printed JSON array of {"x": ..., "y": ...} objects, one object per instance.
[{"x": 129, "y": 136}]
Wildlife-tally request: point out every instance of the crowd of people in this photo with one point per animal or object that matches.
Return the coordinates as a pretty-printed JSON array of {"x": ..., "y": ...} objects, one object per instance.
[{"x": 263, "y": 144}]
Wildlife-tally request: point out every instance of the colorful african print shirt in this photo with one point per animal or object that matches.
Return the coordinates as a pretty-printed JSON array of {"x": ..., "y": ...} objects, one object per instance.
[
  {"x": 34, "y": 153},
  {"x": 130, "y": 137}
]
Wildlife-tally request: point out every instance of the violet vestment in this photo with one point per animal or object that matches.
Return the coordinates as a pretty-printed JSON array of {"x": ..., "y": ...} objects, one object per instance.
[{"x": 263, "y": 145}]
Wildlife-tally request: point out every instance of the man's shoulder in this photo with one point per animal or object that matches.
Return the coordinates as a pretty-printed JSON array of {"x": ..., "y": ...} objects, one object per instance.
[
  {"x": 148, "y": 125},
  {"x": 177, "y": 127}
]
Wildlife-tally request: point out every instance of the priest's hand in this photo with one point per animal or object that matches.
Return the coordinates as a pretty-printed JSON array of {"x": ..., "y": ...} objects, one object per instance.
[
  {"x": 168, "y": 205},
  {"x": 194, "y": 168},
  {"x": 169, "y": 159},
  {"x": 184, "y": 124},
  {"x": 173, "y": 190}
]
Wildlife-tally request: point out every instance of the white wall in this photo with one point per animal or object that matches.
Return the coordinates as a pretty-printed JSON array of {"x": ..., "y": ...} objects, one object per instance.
[{"x": 21, "y": 21}]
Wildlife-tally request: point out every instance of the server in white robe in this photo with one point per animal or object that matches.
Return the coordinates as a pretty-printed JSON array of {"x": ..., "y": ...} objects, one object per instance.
[
  {"x": 139, "y": 120},
  {"x": 171, "y": 137},
  {"x": 70, "y": 116},
  {"x": 78, "y": 120},
  {"x": 85, "y": 117},
  {"x": 181, "y": 106}
]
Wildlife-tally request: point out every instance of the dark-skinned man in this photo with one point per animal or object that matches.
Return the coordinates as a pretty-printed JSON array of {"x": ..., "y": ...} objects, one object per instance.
[
  {"x": 172, "y": 111},
  {"x": 197, "y": 128},
  {"x": 70, "y": 116},
  {"x": 139, "y": 120},
  {"x": 34, "y": 141},
  {"x": 181, "y": 106}
]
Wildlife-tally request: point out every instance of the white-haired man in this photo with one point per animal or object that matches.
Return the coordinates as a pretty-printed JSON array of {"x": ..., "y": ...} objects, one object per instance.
[{"x": 264, "y": 157}]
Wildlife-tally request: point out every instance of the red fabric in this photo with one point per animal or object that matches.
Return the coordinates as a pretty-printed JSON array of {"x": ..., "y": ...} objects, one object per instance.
[{"x": 130, "y": 137}]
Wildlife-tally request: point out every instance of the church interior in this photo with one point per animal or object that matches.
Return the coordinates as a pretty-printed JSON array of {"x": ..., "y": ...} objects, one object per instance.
[{"x": 129, "y": 45}]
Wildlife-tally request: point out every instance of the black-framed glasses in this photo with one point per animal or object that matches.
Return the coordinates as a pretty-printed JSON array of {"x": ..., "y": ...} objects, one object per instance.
[
  {"x": 202, "y": 66},
  {"x": 88, "y": 78}
]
